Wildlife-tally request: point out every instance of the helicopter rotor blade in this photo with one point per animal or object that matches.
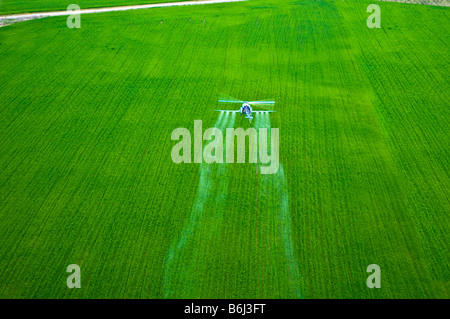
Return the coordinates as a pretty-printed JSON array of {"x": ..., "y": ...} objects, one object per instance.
[{"x": 261, "y": 102}]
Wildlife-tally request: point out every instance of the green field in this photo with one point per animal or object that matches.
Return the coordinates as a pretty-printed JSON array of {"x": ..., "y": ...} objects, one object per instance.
[
  {"x": 86, "y": 175},
  {"x": 14, "y": 6}
]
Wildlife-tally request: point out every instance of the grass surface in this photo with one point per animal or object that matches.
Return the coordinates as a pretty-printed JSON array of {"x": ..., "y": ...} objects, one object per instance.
[
  {"x": 14, "y": 6},
  {"x": 87, "y": 178}
]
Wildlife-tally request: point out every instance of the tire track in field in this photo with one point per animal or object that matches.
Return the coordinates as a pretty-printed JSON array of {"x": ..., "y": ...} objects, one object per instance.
[
  {"x": 181, "y": 273},
  {"x": 277, "y": 185}
]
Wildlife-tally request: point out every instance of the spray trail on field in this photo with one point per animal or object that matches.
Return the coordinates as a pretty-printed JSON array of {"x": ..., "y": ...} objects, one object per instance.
[
  {"x": 183, "y": 271},
  {"x": 276, "y": 184}
]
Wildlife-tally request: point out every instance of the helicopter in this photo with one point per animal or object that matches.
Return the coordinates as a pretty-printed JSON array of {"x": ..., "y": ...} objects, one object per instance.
[{"x": 246, "y": 107}]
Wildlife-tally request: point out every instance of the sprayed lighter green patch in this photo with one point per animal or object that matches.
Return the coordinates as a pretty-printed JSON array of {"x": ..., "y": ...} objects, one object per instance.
[
  {"x": 276, "y": 184},
  {"x": 184, "y": 265}
]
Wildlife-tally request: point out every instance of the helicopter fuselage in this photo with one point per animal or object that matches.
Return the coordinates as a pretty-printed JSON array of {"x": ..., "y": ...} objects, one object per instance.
[{"x": 247, "y": 110}]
